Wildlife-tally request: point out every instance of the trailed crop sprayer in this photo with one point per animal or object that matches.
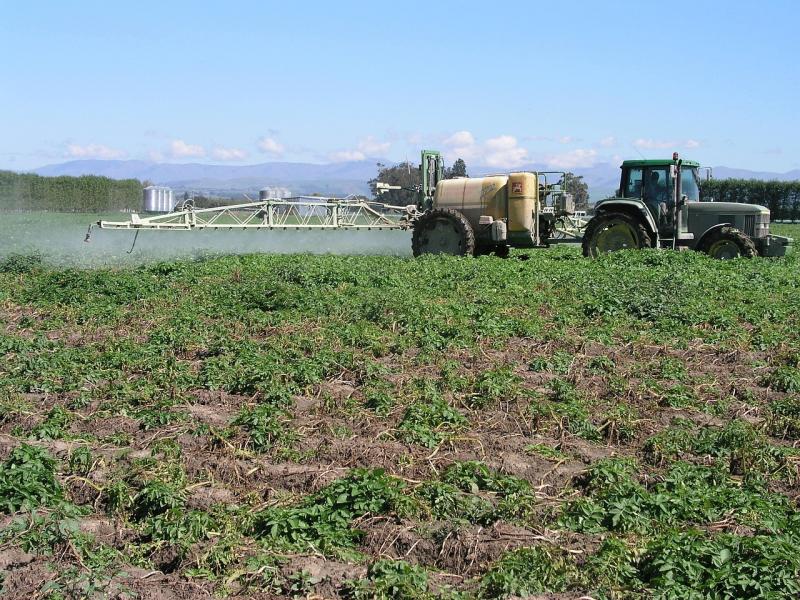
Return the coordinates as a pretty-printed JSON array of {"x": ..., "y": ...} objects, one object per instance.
[{"x": 657, "y": 206}]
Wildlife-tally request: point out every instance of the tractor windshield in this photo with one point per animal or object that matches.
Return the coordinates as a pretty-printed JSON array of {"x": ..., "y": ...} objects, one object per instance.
[{"x": 690, "y": 184}]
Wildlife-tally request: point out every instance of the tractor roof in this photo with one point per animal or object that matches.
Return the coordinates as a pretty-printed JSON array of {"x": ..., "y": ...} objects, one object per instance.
[{"x": 657, "y": 163}]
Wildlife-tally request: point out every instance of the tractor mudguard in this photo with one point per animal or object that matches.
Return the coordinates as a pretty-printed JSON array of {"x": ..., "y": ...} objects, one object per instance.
[
  {"x": 698, "y": 242},
  {"x": 630, "y": 206}
]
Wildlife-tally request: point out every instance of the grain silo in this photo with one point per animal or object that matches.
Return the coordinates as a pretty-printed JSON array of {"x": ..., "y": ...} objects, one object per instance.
[{"x": 158, "y": 199}]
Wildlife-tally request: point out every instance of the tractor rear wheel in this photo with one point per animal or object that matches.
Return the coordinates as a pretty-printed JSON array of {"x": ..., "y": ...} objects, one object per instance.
[
  {"x": 609, "y": 232},
  {"x": 726, "y": 243},
  {"x": 443, "y": 231}
]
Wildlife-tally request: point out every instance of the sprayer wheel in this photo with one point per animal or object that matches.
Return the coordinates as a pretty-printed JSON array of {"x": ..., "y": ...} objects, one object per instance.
[{"x": 443, "y": 231}]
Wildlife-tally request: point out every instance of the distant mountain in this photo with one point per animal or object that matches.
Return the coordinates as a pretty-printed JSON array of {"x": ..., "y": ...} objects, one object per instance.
[
  {"x": 332, "y": 179},
  {"x": 163, "y": 173},
  {"x": 728, "y": 173},
  {"x": 339, "y": 178}
]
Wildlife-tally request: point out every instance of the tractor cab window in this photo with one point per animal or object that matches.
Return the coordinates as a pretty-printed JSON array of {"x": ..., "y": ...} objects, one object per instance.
[
  {"x": 658, "y": 194},
  {"x": 690, "y": 186},
  {"x": 633, "y": 185}
]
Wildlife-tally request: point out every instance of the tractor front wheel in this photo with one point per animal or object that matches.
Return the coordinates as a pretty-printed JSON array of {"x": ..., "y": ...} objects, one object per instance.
[
  {"x": 609, "y": 232},
  {"x": 726, "y": 243},
  {"x": 443, "y": 231}
]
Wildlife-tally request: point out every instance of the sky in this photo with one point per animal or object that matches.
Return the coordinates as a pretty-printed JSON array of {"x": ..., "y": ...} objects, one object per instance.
[{"x": 568, "y": 84}]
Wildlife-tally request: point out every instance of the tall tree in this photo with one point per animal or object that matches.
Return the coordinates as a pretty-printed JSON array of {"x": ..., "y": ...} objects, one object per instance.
[
  {"x": 459, "y": 169},
  {"x": 579, "y": 189},
  {"x": 405, "y": 175}
]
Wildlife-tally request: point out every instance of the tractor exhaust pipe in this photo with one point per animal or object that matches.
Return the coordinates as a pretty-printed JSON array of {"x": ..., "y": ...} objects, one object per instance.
[{"x": 676, "y": 205}]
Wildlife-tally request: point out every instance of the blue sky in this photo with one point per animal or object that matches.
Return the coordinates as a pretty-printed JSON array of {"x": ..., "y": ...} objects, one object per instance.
[{"x": 567, "y": 83}]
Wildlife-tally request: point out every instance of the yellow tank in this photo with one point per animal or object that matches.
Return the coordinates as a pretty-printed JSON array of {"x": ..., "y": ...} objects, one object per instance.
[
  {"x": 523, "y": 197},
  {"x": 474, "y": 196}
]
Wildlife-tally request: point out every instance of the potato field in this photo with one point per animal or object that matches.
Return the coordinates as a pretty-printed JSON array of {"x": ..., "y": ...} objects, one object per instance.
[{"x": 317, "y": 426}]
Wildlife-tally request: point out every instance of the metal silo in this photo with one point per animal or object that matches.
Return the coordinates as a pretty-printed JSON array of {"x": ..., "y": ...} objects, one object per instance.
[
  {"x": 149, "y": 200},
  {"x": 158, "y": 199}
]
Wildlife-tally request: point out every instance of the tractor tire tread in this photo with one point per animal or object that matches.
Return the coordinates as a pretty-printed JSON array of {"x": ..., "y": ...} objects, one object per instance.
[
  {"x": 599, "y": 220},
  {"x": 456, "y": 217},
  {"x": 746, "y": 245}
]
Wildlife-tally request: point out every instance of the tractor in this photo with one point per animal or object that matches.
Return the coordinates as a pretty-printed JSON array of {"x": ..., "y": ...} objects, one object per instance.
[{"x": 658, "y": 206}]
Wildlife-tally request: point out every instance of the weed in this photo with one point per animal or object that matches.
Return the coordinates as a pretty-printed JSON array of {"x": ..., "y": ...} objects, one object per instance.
[
  {"x": 620, "y": 424},
  {"x": 601, "y": 365},
  {"x": 54, "y": 425},
  {"x": 516, "y": 498},
  {"x": 156, "y": 498},
  {"x": 547, "y": 452},
  {"x": 27, "y": 480},
  {"x": 785, "y": 378},
  {"x": 446, "y": 502},
  {"x": 390, "y": 580},
  {"x": 672, "y": 369},
  {"x": 697, "y": 565},
  {"x": 567, "y": 409},
  {"x": 378, "y": 395},
  {"x": 679, "y": 396},
  {"x": 19, "y": 264},
  {"x": 670, "y": 443},
  {"x": 431, "y": 422},
  {"x": 494, "y": 385},
  {"x": 80, "y": 461},
  {"x": 783, "y": 418},
  {"x": 529, "y": 571},
  {"x": 324, "y": 520},
  {"x": 558, "y": 363},
  {"x": 267, "y": 426},
  {"x": 687, "y": 494}
]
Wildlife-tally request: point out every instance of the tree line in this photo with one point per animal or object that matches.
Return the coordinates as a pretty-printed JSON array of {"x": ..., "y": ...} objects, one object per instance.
[
  {"x": 782, "y": 198},
  {"x": 88, "y": 193}
]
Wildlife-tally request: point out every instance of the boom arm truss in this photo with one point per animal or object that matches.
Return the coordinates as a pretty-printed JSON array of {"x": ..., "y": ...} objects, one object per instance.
[{"x": 302, "y": 212}]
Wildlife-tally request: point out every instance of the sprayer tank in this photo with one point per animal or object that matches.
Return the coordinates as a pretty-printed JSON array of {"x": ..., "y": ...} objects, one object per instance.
[{"x": 511, "y": 197}]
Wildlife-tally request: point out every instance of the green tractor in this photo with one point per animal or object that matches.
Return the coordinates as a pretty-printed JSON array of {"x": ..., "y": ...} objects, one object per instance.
[{"x": 658, "y": 206}]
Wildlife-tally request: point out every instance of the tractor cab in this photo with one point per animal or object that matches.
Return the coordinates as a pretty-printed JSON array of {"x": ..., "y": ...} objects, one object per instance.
[
  {"x": 652, "y": 182},
  {"x": 658, "y": 206}
]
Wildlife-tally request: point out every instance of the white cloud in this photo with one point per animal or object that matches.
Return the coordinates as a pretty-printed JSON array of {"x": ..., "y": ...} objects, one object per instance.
[
  {"x": 500, "y": 151},
  {"x": 608, "y": 141},
  {"x": 93, "y": 151},
  {"x": 566, "y": 139},
  {"x": 651, "y": 144},
  {"x": 270, "y": 145},
  {"x": 460, "y": 138},
  {"x": 347, "y": 156},
  {"x": 462, "y": 144},
  {"x": 369, "y": 146},
  {"x": 579, "y": 157},
  {"x": 226, "y": 154},
  {"x": 180, "y": 149},
  {"x": 156, "y": 155},
  {"x": 503, "y": 151}
]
